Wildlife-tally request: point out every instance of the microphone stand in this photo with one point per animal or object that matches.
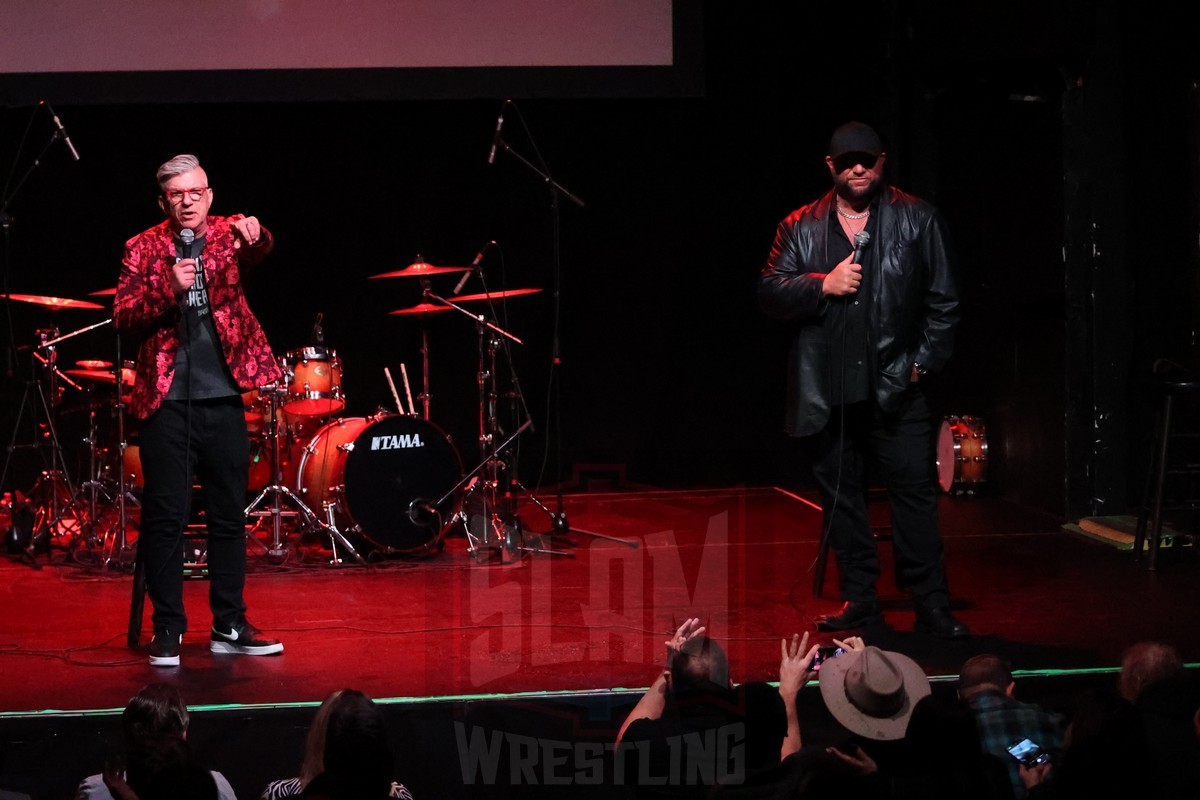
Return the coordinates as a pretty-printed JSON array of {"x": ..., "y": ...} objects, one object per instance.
[
  {"x": 6, "y": 221},
  {"x": 560, "y": 525}
]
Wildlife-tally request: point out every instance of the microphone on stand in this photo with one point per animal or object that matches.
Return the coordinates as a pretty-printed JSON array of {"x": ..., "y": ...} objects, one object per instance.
[
  {"x": 61, "y": 130},
  {"x": 861, "y": 240},
  {"x": 496, "y": 135},
  {"x": 474, "y": 266},
  {"x": 421, "y": 511}
]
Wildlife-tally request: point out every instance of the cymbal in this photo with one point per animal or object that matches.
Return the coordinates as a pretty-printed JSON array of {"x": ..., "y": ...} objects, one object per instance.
[
  {"x": 467, "y": 298},
  {"x": 419, "y": 269},
  {"x": 52, "y": 302},
  {"x": 421, "y": 309},
  {"x": 104, "y": 376},
  {"x": 103, "y": 292},
  {"x": 91, "y": 363}
]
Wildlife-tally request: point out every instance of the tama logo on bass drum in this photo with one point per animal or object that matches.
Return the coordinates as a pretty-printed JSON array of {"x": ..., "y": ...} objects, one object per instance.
[{"x": 403, "y": 441}]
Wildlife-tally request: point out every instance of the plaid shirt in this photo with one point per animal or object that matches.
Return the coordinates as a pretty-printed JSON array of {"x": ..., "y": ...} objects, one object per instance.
[{"x": 1004, "y": 721}]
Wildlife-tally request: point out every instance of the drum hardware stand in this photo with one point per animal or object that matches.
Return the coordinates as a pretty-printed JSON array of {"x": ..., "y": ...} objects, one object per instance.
[
  {"x": 501, "y": 528},
  {"x": 120, "y": 543},
  {"x": 278, "y": 490},
  {"x": 53, "y": 487},
  {"x": 114, "y": 548}
]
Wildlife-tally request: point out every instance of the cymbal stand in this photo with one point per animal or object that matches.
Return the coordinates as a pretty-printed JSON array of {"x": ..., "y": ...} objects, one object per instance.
[
  {"x": 116, "y": 553},
  {"x": 499, "y": 526},
  {"x": 93, "y": 488},
  {"x": 53, "y": 487}
]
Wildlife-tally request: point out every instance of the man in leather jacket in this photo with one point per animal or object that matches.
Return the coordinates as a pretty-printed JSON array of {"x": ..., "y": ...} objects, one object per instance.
[{"x": 863, "y": 278}]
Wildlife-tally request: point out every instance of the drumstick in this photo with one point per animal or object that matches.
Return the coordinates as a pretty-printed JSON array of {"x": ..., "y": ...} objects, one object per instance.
[
  {"x": 412, "y": 410},
  {"x": 399, "y": 405}
]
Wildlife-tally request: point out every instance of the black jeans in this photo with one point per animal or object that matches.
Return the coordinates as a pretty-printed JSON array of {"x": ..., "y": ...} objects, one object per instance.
[
  {"x": 207, "y": 440},
  {"x": 859, "y": 445}
]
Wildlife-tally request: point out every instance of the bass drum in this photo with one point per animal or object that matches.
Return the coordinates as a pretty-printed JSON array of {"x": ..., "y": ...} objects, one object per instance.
[
  {"x": 962, "y": 455},
  {"x": 377, "y": 473}
]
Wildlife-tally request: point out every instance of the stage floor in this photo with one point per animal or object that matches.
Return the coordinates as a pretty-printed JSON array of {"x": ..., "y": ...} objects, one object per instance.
[{"x": 593, "y": 615}]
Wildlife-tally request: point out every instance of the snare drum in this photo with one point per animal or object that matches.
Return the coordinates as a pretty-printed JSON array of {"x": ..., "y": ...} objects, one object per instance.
[
  {"x": 962, "y": 454},
  {"x": 381, "y": 475},
  {"x": 314, "y": 382}
]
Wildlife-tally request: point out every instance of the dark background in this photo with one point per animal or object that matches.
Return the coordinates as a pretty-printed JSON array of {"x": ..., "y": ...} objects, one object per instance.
[{"x": 1059, "y": 139}]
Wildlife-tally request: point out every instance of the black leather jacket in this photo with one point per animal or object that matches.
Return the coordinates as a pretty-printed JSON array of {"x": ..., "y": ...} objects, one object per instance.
[{"x": 913, "y": 309}]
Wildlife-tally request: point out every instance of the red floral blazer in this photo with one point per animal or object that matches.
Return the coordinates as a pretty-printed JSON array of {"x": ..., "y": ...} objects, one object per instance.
[{"x": 146, "y": 306}]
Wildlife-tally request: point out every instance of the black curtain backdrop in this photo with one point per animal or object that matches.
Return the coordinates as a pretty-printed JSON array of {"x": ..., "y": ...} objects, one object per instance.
[{"x": 668, "y": 369}]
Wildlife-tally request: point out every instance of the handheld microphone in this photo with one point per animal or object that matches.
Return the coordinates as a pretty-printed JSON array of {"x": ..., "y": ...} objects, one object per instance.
[
  {"x": 496, "y": 135},
  {"x": 187, "y": 237},
  {"x": 62, "y": 131},
  {"x": 474, "y": 265},
  {"x": 861, "y": 240}
]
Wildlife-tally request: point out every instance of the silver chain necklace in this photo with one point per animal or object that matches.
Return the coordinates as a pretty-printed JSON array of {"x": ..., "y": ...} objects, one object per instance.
[{"x": 863, "y": 215}]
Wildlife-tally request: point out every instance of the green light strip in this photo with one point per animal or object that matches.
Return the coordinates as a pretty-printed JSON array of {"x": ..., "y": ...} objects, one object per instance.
[{"x": 618, "y": 691}]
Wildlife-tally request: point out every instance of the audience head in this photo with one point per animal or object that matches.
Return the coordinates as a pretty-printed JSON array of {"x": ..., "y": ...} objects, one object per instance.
[
  {"x": 314, "y": 743},
  {"x": 1105, "y": 752},
  {"x": 1145, "y": 664},
  {"x": 984, "y": 672},
  {"x": 358, "y": 754},
  {"x": 700, "y": 663},
  {"x": 156, "y": 712},
  {"x": 872, "y": 692}
]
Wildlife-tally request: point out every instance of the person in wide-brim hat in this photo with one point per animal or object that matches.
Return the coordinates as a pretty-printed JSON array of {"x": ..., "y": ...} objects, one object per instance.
[{"x": 872, "y": 692}]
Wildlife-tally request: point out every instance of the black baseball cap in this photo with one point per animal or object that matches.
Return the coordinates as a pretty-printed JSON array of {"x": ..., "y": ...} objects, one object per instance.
[{"x": 855, "y": 137}]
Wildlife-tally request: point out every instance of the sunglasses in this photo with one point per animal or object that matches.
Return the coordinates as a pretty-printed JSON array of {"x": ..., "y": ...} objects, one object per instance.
[{"x": 847, "y": 161}]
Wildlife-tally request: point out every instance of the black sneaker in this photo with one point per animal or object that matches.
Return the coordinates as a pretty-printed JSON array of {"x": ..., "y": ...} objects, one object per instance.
[
  {"x": 244, "y": 639},
  {"x": 164, "y": 649}
]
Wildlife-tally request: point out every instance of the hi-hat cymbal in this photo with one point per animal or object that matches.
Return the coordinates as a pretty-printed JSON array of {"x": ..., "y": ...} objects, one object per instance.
[
  {"x": 103, "y": 292},
  {"x": 467, "y": 298},
  {"x": 421, "y": 309},
  {"x": 104, "y": 376},
  {"x": 52, "y": 302},
  {"x": 92, "y": 363},
  {"x": 419, "y": 269}
]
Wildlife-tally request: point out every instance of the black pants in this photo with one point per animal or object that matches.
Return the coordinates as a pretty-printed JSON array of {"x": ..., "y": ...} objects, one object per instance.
[
  {"x": 859, "y": 445},
  {"x": 207, "y": 441}
]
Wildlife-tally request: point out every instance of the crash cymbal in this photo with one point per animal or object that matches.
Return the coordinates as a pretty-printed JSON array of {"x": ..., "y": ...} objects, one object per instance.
[
  {"x": 419, "y": 269},
  {"x": 104, "y": 376},
  {"x": 91, "y": 363},
  {"x": 421, "y": 309},
  {"x": 103, "y": 292},
  {"x": 52, "y": 302},
  {"x": 467, "y": 298}
]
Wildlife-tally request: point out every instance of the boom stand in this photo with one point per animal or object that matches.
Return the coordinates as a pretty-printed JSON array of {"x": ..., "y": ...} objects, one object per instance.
[{"x": 558, "y": 518}]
